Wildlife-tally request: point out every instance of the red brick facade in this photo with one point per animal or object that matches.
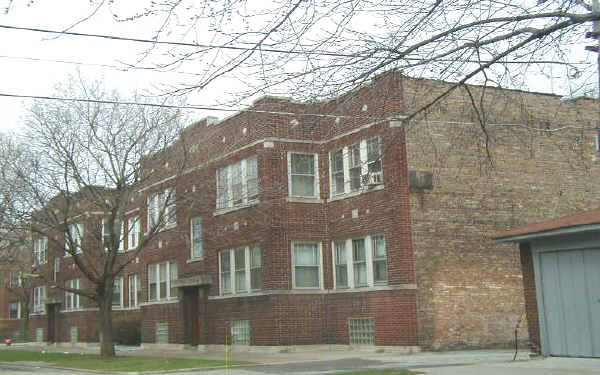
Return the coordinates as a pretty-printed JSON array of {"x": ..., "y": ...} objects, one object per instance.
[{"x": 446, "y": 285}]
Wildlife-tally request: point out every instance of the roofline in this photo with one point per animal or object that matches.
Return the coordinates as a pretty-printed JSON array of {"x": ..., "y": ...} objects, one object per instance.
[{"x": 555, "y": 232}]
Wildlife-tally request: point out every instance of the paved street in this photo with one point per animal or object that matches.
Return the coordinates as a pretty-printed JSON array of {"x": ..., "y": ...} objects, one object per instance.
[{"x": 488, "y": 362}]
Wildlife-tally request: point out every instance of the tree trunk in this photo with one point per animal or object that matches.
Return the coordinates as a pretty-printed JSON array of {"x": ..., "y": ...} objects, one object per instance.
[
  {"x": 26, "y": 327},
  {"x": 107, "y": 347}
]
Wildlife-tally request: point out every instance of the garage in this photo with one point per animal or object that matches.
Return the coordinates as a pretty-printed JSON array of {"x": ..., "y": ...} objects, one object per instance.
[{"x": 561, "y": 276}]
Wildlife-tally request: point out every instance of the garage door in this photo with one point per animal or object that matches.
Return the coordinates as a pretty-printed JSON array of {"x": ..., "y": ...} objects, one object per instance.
[{"x": 571, "y": 302}]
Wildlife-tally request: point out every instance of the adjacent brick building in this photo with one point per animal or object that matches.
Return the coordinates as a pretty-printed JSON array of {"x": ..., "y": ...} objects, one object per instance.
[{"x": 338, "y": 222}]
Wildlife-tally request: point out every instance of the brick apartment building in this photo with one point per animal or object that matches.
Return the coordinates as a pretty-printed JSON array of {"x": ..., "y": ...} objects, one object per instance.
[{"x": 336, "y": 222}]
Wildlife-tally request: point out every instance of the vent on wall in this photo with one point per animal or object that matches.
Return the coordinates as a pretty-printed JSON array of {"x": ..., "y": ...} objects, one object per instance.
[{"x": 420, "y": 180}]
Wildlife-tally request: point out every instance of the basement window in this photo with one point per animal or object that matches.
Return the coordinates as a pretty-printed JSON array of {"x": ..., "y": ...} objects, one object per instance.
[
  {"x": 162, "y": 333},
  {"x": 362, "y": 331},
  {"x": 240, "y": 332}
]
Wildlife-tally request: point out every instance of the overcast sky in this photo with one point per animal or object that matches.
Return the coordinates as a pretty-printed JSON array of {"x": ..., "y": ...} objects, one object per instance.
[{"x": 29, "y": 60}]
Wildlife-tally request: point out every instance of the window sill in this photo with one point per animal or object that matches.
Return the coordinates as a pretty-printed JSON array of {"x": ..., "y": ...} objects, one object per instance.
[
  {"x": 160, "y": 302},
  {"x": 194, "y": 260},
  {"x": 80, "y": 309},
  {"x": 377, "y": 287},
  {"x": 304, "y": 200},
  {"x": 356, "y": 193},
  {"x": 39, "y": 313},
  {"x": 223, "y": 211}
]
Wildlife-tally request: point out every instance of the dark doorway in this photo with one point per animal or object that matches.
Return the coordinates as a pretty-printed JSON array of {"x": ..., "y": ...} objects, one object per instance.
[
  {"x": 51, "y": 314},
  {"x": 189, "y": 309}
]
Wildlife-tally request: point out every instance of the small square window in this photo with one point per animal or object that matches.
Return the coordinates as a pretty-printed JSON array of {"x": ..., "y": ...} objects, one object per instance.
[
  {"x": 240, "y": 332},
  {"x": 362, "y": 331}
]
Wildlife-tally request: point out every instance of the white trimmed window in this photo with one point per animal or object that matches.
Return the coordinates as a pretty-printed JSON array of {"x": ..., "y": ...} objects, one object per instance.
[
  {"x": 240, "y": 270},
  {"x": 160, "y": 276},
  {"x": 162, "y": 211},
  {"x": 306, "y": 265},
  {"x": 39, "y": 296},
  {"x": 135, "y": 290},
  {"x": 133, "y": 232},
  {"x": 56, "y": 268},
  {"x": 71, "y": 299},
  {"x": 14, "y": 310},
  {"x": 73, "y": 239},
  {"x": 197, "y": 250},
  {"x": 117, "y": 297},
  {"x": 15, "y": 279},
  {"x": 303, "y": 176},
  {"x": 356, "y": 166},
  {"x": 240, "y": 332},
  {"x": 360, "y": 262},
  {"x": 106, "y": 240},
  {"x": 40, "y": 247},
  {"x": 237, "y": 184}
]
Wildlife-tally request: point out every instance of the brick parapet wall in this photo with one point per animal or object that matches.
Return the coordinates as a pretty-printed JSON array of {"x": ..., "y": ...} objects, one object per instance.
[{"x": 471, "y": 291}]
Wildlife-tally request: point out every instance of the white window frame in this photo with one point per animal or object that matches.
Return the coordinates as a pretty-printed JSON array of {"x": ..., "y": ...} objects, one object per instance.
[
  {"x": 135, "y": 289},
  {"x": 225, "y": 193},
  {"x": 319, "y": 264},
  {"x": 155, "y": 267},
  {"x": 40, "y": 249},
  {"x": 133, "y": 232},
  {"x": 15, "y": 279},
  {"x": 39, "y": 297},
  {"x": 72, "y": 300},
  {"x": 241, "y": 332},
  {"x": 249, "y": 267},
  {"x": 162, "y": 202},
  {"x": 196, "y": 238},
  {"x": 315, "y": 175},
  {"x": 121, "y": 247},
  {"x": 366, "y": 178},
  {"x": 77, "y": 236},
  {"x": 369, "y": 259},
  {"x": 10, "y": 305},
  {"x": 56, "y": 268},
  {"x": 118, "y": 287}
]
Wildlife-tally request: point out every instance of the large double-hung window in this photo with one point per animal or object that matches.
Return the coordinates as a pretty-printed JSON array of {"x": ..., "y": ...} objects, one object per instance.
[
  {"x": 162, "y": 210},
  {"x": 73, "y": 239},
  {"x": 303, "y": 176},
  {"x": 237, "y": 184},
  {"x": 40, "y": 247},
  {"x": 39, "y": 296},
  {"x": 360, "y": 262},
  {"x": 72, "y": 300},
  {"x": 356, "y": 167},
  {"x": 240, "y": 270},
  {"x": 117, "y": 230},
  {"x": 160, "y": 278},
  {"x": 306, "y": 265}
]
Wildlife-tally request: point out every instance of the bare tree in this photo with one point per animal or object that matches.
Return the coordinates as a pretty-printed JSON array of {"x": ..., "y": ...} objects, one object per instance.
[
  {"x": 314, "y": 49},
  {"x": 91, "y": 157}
]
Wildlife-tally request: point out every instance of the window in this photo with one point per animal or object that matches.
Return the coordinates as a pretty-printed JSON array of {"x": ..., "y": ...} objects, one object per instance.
[
  {"x": 15, "y": 279},
  {"x": 303, "y": 175},
  {"x": 162, "y": 211},
  {"x": 39, "y": 295},
  {"x": 40, "y": 247},
  {"x": 14, "y": 310},
  {"x": 240, "y": 332},
  {"x": 135, "y": 290},
  {"x": 356, "y": 166},
  {"x": 160, "y": 276},
  {"x": 196, "y": 237},
  {"x": 162, "y": 333},
  {"x": 72, "y": 299},
  {"x": 106, "y": 240},
  {"x": 362, "y": 331},
  {"x": 244, "y": 263},
  {"x": 306, "y": 265},
  {"x": 133, "y": 231},
  {"x": 360, "y": 262},
  {"x": 56, "y": 268},
  {"x": 237, "y": 184},
  {"x": 73, "y": 239},
  {"x": 117, "y": 297}
]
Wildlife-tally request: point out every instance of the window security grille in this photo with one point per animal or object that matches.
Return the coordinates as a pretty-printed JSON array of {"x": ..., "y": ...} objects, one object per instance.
[{"x": 362, "y": 331}]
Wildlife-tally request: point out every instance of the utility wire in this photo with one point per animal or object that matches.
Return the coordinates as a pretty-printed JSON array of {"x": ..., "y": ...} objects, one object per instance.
[
  {"x": 273, "y": 50},
  {"x": 191, "y": 106}
]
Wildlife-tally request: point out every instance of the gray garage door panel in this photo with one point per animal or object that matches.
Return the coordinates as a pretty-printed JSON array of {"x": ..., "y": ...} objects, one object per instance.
[{"x": 570, "y": 293}]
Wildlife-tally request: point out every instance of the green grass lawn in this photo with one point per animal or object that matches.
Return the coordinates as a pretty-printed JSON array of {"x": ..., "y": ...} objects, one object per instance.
[
  {"x": 381, "y": 372},
  {"x": 95, "y": 362}
]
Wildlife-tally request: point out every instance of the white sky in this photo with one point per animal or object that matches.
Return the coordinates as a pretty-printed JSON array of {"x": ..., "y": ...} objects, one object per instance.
[{"x": 26, "y": 77}]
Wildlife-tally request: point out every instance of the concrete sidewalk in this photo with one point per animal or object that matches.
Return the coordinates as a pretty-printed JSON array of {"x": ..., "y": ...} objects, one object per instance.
[{"x": 542, "y": 366}]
